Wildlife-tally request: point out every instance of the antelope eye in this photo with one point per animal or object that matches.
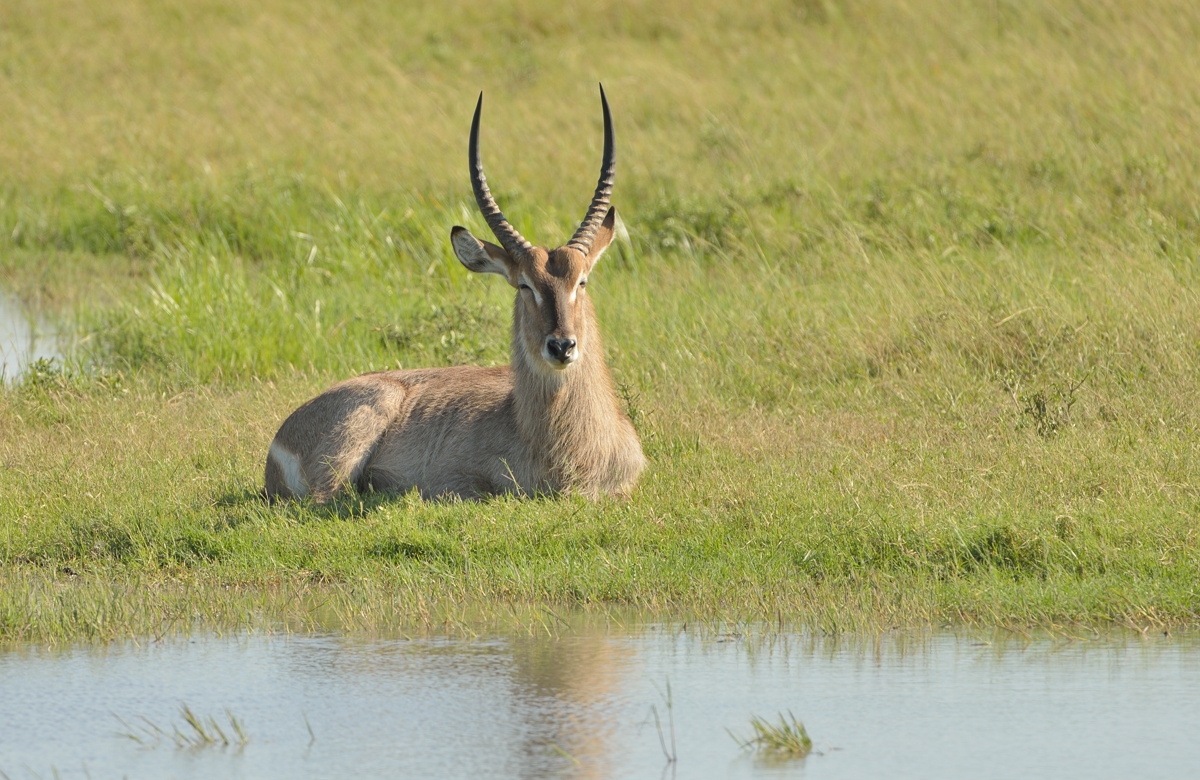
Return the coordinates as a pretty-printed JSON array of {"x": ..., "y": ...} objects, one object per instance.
[
  {"x": 583, "y": 282},
  {"x": 525, "y": 287}
]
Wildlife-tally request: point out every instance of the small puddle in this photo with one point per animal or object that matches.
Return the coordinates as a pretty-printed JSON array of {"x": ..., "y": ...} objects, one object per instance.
[
  {"x": 579, "y": 705},
  {"x": 25, "y": 337}
]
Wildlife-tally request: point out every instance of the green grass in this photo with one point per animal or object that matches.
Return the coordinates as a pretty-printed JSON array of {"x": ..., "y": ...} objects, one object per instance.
[
  {"x": 197, "y": 731},
  {"x": 906, "y": 317},
  {"x": 785, "y": 740}
]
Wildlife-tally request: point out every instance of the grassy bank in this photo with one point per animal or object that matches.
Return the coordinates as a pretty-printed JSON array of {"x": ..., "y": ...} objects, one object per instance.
[{"x": 906, "y": 316}]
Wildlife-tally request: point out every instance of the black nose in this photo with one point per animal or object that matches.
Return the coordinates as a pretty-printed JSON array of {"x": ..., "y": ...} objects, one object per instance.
[{"x": 559, "y": 349}]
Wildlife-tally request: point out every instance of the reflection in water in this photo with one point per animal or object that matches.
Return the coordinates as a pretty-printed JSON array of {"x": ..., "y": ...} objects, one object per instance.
[
  {"x": 573, "y": 702},
  {"x": 581, "y": 676},
  {"x": 24, "y": 338}
]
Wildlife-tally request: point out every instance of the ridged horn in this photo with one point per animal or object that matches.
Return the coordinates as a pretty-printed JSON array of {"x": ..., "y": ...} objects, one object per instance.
[
  {"x": 509, "y": 238},
  {"x": 586, "y": 234}
]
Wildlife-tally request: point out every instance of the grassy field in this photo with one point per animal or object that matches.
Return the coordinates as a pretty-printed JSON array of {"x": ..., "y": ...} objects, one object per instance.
[{"x": 907, "y": 315}]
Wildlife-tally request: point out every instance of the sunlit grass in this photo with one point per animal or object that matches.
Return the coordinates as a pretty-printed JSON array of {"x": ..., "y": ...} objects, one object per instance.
[
  {"x": 905, "y": 318},
  {"x": 195, "y": 732},
  {"x": 786, "y": 739}
]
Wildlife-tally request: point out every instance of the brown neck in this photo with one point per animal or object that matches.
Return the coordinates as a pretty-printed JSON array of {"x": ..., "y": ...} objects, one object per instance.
[{"x": 570, "y": 418}]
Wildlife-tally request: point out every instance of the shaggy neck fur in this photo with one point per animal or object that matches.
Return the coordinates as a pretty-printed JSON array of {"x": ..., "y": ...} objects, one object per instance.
[{"x": 570, "y": 418}]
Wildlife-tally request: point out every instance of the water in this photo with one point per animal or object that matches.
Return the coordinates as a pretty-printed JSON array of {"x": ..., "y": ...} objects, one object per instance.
[
  {"x": 24, "y": 338},
  {"x": 579, "y": 705}
]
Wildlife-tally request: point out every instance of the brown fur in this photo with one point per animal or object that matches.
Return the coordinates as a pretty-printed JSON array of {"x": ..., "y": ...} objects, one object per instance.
[{"x": 537, "y": 426}]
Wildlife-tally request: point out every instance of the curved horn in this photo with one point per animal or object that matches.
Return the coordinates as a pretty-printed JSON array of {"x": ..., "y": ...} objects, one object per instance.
[
  {"x": 509, "y": 238},
  {"x": 586, "y": 234}
]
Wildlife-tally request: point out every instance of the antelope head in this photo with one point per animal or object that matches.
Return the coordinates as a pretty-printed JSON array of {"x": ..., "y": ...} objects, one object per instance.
[{"x": 552, "y": 316}]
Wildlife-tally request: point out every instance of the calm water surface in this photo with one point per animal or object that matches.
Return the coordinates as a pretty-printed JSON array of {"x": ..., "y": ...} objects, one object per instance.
[
  {"x": 24, "y": 338},
  {"x": 578, "y": 704}
]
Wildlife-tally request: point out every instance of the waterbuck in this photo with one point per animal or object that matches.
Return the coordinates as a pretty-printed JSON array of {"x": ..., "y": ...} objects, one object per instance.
[{"x": 549, "y": 423}]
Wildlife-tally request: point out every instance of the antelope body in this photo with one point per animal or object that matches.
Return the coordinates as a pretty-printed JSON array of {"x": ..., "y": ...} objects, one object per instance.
[{"x": 548, "y": 423}]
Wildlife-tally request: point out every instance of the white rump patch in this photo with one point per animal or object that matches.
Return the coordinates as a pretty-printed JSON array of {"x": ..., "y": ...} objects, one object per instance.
[{"x": 289, "y": 464}]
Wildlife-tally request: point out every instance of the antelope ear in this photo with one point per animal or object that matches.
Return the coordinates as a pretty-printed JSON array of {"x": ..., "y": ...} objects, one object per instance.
[
  {"x": 479, "y": 256},
  {"x": 604, "y": 237}
]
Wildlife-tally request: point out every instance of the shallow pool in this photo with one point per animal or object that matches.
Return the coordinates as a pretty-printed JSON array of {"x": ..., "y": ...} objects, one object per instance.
[
  {"x": 576, "y": 702},
  {"x": 24, "y": 338}
]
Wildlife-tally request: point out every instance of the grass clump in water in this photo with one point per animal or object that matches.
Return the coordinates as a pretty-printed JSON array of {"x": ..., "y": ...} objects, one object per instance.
[
  {"x": 786, "y": 740},
  {"x": 195, "y": 732}
]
